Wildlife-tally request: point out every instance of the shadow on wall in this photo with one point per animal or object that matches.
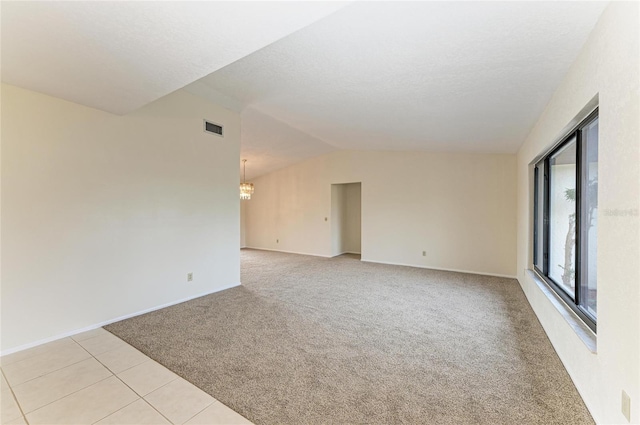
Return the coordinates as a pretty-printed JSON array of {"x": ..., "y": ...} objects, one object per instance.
[{"x": 346, "y": 213}]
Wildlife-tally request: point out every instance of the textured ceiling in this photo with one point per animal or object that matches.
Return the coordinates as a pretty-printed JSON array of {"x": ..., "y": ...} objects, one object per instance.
[
  {"x": 311, "y": 77},
  {"x": 269, "y": 144},
  {"x": 437, "y": 76},
  {"x": 118, "y": 56}
]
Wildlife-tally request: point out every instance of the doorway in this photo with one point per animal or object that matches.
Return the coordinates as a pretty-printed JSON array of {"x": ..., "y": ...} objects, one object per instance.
[{"x": 346, "y": 212}]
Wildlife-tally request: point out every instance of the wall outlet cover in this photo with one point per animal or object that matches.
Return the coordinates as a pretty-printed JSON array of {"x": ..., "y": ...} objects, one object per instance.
[{"x": 189, "y": 277}]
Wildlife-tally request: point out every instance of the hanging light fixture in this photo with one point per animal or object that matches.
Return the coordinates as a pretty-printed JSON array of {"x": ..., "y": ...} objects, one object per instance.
[{"x": 246, "y": 189}]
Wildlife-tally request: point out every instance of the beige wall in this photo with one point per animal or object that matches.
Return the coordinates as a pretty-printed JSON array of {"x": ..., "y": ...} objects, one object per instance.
[
  {"x": 352, "y": 198},
  {"x": 338, "y": 210},
  {"x": 345, "y": 218},
  {"x": 607, "y": 67},
  {"x": 103, "y": 215},
  {"x": 459, "y": 208}
]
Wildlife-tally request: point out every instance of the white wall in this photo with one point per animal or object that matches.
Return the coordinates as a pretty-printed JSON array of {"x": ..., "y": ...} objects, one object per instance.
[
  {"x": 243, "y": 214},
  {"x": 104, "y": 215},
  {"x": 459, "y": 208},
  {"x": 608, "y": 66},
  {"x": 338, "y": 224}
]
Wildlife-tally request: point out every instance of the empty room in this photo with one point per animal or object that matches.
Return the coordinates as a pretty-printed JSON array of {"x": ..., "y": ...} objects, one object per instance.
[{"x": 320, "y": 212}]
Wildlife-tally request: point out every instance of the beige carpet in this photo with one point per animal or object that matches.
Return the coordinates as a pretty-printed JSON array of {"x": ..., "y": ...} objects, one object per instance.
[{"x": 309, "y": 340}]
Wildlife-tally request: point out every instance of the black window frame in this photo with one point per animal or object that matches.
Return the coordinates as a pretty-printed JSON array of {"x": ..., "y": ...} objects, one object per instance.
[{"x": 543, "y": 224}]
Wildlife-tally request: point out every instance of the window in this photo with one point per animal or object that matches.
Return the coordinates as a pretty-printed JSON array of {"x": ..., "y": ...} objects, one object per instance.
[{"x": 565, "y": 218}]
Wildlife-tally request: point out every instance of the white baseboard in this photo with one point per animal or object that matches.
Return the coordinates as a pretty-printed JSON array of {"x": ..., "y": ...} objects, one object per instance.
[
  {"x": 288, "y": 252},
  {"x": 345, "y": 252},
  {"x": 420, "y": 266},
  {"x": 107, "y": 322}
]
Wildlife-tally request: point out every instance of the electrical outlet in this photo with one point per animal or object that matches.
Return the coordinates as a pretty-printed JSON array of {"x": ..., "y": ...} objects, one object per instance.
[
  {"x": 626, "y": 405},
  {"x": 424, "y": 253},
  {"x": 189, "y": 277},
  {"x": 277, "y": 240}
]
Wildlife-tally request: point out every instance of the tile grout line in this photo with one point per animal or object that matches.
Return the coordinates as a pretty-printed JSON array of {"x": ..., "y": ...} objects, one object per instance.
[
  {"x": 164, "y": 385},
  {"x": 14, "y": 398},
  {"x": 161, "y": 386},
  {"x": 57, "y": 341},
  {"x": 130, "y": 367},
  {"x": 215, "y": 400},
  {"x": 108, "y": 351},
  {"x": 113, "y": 374},
  {"x": 143, "y": 397},
  {"x": 74, "y": 392},
  {"x": 101, "y": 380},
  {"x": 86, "y": 339},
  {"x": 140, "y": 397},
  {"x": 113, "y": 413},
  {"x": 102, "y": 352},
  {"x": 154, "y": 408},
  {"x": 123, "y": 370},
  {"x": 68, "y": 395},
  {"x": 51, "y": 371}
]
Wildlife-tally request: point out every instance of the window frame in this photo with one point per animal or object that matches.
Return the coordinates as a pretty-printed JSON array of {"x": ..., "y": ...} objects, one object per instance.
[{"x": 544, "y": 225}]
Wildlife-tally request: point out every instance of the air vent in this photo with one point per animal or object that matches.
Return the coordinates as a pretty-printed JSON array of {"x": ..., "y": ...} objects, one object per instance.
[{"x": 213, "y": 128}]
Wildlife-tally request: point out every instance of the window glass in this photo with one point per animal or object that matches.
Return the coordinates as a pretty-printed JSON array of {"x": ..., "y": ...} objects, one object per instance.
[
  {"x": 565, "y": 214},
  {"x": 562, "y": 217},
  {"x": 589, "y": 213}
]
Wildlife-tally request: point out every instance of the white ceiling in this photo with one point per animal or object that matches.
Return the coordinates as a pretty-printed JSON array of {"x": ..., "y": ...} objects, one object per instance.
[
  {"x": 269, "y": 144},
  {"x": 437, "y": 76},
  {"x": 311, "y": 77},
  {"x": 119, "y": 56}
]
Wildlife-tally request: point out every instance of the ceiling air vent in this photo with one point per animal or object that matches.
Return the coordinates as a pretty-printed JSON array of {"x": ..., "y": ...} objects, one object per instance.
[{"x": 211, "y": 127}]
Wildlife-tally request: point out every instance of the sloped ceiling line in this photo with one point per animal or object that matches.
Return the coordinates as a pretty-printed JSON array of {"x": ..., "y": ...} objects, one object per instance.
[
  {"x": 119, "y": 56},
  {"x": 414, "y": 76},
  {"x": 311, "y": 77}
]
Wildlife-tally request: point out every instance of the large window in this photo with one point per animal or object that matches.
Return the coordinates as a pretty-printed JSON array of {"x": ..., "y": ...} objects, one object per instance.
[{"x": 565, "y": 218}]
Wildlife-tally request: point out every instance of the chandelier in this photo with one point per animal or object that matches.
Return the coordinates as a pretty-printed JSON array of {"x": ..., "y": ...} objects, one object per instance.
[{"x": 246, "y": 189}]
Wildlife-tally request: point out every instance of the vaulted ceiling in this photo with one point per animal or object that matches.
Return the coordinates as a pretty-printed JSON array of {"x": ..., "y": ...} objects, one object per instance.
[
  {"x": 312, "y": 77},
  {"x": 118, "y": 56}
]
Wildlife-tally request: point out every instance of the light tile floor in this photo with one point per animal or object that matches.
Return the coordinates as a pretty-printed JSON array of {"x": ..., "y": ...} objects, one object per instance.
[{"x": 96, "y": 378}]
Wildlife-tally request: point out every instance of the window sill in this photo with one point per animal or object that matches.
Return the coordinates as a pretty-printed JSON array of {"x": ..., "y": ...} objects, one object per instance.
[{"x": 586, "y": 335}]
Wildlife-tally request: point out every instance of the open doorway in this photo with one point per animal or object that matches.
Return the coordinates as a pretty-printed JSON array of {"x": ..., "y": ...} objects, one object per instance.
[{"x": 346, "y": 211}]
